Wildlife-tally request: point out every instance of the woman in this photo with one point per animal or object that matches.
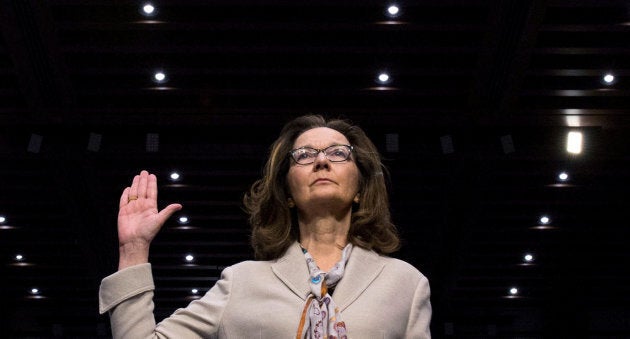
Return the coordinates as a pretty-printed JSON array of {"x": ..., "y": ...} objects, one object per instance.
[{"x": 321, "y": 230}]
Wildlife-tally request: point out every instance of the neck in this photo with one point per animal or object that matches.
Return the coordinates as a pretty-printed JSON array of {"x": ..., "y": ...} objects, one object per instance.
[
  {"x": 324, "y": 231},
  {"x": 324, "y": 239}
]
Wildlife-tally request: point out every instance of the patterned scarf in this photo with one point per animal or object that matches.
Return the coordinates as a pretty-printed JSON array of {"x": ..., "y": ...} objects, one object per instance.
[{"x": 321, "y": 317}]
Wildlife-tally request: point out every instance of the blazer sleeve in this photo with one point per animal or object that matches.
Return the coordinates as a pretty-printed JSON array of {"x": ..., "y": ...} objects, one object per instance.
[
  {"x": 419, "y": 322},
  {"x": 128, "y": 297}
]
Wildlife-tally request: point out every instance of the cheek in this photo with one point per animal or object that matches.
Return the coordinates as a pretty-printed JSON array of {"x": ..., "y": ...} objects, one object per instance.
[
  {"x": 356, "y": 179},
  {"x": 357, "y": 183},
  {"x": 292, "y": 181}
]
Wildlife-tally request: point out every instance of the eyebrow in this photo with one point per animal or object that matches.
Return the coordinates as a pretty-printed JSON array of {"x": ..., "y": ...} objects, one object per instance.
[{"x": 311, "y": 146}]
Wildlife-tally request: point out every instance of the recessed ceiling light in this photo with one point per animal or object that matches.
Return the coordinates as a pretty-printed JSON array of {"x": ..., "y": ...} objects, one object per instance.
[
  {"x": 148, "y": 9},
  {"x": 160, "y": 77},
  {"x": 35, "y": 293},
  {"x": 383, "y": 78},
  {"x": 574, "y": 142},
  {"x": 609, "y": 79},
  {"x": 563, "y": 176},
  {"x": 393, "y": 11}
]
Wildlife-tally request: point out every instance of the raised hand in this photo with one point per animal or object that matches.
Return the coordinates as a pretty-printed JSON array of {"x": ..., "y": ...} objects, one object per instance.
[{"x": 139, "y": 220}]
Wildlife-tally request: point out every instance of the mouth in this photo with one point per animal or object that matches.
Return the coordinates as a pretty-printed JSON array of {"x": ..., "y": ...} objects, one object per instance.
[{"x": 321, "y": 181}]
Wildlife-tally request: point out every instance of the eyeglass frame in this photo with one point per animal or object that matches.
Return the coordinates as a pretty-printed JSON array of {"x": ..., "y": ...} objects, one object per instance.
[{"x": 321, "y": 150}]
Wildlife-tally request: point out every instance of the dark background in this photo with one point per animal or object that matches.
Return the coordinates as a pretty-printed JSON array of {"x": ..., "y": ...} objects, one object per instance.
[{"x": 501, "y": 81}]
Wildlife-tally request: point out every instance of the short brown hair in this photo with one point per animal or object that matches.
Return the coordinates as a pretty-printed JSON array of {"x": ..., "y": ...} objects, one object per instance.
[{"x": 274, "y": 224}]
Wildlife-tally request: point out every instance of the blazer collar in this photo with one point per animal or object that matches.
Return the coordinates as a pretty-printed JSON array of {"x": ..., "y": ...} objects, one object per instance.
[
  {"x": 362, "y": 268},
  {"x": 291, "y": 269}
]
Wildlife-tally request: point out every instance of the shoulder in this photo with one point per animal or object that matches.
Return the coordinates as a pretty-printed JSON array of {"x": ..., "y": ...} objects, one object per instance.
[
  {"x": 393, "y": 268},
  {"x": 248, "y": 266},
  {"x": 244, "y": 275},
  {"x": 406, "y": 277},
  {"x": 400, "y": 267}
]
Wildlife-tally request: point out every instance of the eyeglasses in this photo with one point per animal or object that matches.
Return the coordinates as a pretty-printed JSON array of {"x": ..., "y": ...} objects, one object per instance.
[{"x": 307, "y": 155}]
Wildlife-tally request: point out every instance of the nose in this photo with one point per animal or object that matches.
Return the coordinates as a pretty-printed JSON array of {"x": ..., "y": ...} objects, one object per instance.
[{"x": 321, "y": 161}]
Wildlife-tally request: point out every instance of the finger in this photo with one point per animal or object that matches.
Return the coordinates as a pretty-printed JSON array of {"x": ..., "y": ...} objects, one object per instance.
[
  {"x": 152, "y": 188},
  {"x": 167, "y": 212},
  {"x": 133, "y": 190},
  {"x": 124, "y": 197},
  {"x": 142, "y": 184}
]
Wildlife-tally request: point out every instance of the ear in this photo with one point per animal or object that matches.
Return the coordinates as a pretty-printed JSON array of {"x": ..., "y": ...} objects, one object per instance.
[
  {"x": 290, "y": 202},
  {"x": 357, "y": 198}
]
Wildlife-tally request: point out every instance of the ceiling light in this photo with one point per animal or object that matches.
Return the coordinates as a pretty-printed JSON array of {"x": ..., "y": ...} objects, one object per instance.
[
  {"x": 148, "y": 9},
  {"x": 159, "y": 77},
  {"x": 393, "y": 11},
  {"x": 183, "y": 220},
  {"x": 544, "y": 220},
  {"x": 174, "y": 176},
  {"x": 563, "y": 176},
  {"x": 189, "y": 258},
  {"x": 35, "y": 293},
  {"x": 20, "y": 261},
  {"x": 528, "y": 257},
  {"x": 152, "y": 144},
  {"x": 544, "y": 223},
  {"x": 513, "y": 291},
  {"x": 574, "y": 142},
  {"x": 609, "y": 79},
  {"x": 573, "y": 120},
  {"x": 194, "y": 291},
  {"x": 383, "y": 78}
]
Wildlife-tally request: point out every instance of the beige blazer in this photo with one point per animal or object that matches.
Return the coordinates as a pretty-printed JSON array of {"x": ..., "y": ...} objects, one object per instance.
[{"x": 379, "y": 297}]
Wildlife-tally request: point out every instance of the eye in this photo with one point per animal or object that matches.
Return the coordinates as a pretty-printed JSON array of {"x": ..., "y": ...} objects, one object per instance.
[
  {"x": 303, "y": 154},
  {"x": 339, "y": 151}
]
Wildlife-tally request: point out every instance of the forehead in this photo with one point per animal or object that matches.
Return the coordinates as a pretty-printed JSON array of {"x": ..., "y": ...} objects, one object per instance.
[{"x": 320, "y": 137}]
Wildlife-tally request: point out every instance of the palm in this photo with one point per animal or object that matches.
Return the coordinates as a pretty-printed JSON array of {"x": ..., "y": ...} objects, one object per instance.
[{"x": 139, "y": 219}]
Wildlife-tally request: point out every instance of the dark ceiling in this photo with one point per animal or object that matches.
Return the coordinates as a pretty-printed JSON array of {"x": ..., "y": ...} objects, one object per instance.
[{"x": 472, "y": 126}]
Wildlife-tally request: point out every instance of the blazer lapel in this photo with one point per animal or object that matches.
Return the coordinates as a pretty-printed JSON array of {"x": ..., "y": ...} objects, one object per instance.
[
  {"x": 362, "y": 268},
  {"x": 291, "y": 269}
]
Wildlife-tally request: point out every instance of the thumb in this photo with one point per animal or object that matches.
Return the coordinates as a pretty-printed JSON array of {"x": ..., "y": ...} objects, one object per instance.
[{"x": 166, "y": 213}]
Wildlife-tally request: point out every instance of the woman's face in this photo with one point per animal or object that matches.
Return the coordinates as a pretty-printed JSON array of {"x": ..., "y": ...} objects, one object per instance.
[{"x": 323, "y": 184}]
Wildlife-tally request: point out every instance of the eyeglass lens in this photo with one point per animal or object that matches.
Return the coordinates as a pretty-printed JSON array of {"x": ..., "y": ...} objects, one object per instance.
[{"x": 334, "y": 153}]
